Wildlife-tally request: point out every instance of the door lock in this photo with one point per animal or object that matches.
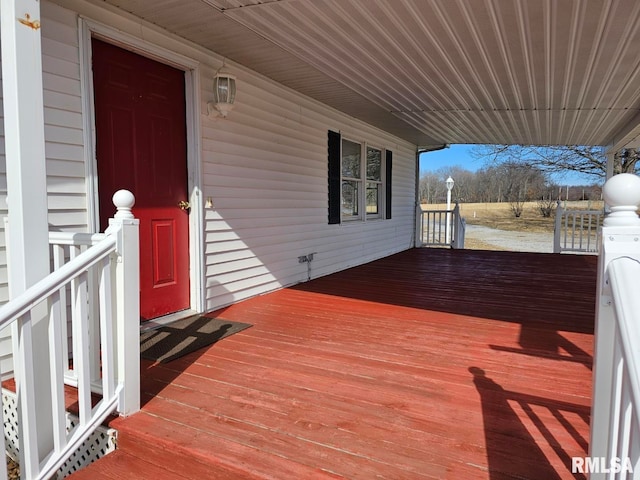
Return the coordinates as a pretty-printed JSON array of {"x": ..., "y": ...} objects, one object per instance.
[{"x": 184, "y": 205}]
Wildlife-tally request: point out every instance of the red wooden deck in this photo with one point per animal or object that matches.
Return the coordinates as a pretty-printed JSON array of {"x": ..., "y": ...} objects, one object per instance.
[{"x": 427, "y": 364}]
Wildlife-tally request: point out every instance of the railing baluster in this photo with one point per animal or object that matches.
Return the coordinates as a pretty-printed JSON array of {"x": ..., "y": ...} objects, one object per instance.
[
  {"x": 106, "y": 330},
  {"x": 22, "y": 346},
  {"x": 58, "y": 255},
  {"x": 616, "y": 395},
  {"x": 58, "y": 363},
  {"x": 81, "y": 359},
  {"x": 626, "y": 415},
  {"x": 94, "y": 328},
  {"x": 4, "y": 474}
]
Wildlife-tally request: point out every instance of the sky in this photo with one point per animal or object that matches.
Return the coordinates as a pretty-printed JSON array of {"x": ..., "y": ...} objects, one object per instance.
[{"x": 459, "y": 155}]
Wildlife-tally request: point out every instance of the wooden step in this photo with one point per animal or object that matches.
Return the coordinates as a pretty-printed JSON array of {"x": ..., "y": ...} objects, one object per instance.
[{"x": 136, "y": 458}]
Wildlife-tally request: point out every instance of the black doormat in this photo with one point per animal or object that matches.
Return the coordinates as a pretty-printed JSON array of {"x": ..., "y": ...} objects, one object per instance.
[{"x": 184, "y": 336}]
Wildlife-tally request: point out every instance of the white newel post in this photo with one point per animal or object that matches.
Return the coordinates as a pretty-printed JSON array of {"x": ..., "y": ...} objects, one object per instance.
[
  {"x": 127, "y": 308},
  {"x": 27, "y": 238},
  {"x": 620, "y": 237}
]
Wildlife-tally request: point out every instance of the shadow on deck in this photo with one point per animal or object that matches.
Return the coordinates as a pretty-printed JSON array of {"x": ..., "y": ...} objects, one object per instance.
[{"x": 426, "y": 364}]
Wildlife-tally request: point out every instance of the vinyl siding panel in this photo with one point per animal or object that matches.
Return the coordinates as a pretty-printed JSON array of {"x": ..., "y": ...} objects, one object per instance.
[
  {"x": 264, "y": 168},
  {"x": 270, "y": 198}
]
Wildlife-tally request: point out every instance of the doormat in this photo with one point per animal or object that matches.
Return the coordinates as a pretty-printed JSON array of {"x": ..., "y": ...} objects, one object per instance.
[{"x": 184, "y": 336}]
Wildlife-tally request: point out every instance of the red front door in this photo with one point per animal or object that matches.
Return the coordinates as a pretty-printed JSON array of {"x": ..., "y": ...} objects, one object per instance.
[{"x": 141, "y": 146}]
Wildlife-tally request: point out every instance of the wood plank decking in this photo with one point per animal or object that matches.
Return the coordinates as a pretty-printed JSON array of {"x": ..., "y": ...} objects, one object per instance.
[{"x": 427, "y": 364}]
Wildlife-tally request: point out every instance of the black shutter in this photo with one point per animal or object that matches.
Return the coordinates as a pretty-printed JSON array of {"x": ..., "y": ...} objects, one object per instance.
[
  {"x": 387, "y": 187},
  {"x": 334, "y": 177}
]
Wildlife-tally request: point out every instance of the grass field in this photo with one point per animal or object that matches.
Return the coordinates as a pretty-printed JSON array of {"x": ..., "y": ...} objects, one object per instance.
[{"x": 500, "y": 216}]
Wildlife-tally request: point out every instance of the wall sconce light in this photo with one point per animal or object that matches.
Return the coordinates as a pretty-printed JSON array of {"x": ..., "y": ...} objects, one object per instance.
[{"x": 224, "y": 93}]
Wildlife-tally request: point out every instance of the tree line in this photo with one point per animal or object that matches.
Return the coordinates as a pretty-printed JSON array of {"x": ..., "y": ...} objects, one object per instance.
[{"x": 501, "y": 183}]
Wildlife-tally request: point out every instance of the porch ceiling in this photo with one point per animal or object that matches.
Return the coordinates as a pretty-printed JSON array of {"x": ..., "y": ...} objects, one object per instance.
[{"x": 438, "y": 71}]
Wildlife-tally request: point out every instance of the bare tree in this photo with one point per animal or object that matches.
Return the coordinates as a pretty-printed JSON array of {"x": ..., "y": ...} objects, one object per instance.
[
  {"x": 431, "y": 187},
  {"x": 559, "y": 159},
  {"x": 548, "y": 201},
  {"x": 519, "y": 183}
]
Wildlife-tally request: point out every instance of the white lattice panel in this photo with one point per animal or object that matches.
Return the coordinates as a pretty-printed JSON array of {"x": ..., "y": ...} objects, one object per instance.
[{"x": 101, "y": 443}]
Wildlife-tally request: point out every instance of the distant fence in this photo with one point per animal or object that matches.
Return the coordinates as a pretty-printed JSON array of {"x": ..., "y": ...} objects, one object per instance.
[{"x": 576, "y": 230}]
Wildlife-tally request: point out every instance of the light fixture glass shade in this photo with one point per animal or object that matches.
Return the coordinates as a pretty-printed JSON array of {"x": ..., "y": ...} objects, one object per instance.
[
  {"x": 449, "y": 183},
  {"x": 224, "y": 92}
]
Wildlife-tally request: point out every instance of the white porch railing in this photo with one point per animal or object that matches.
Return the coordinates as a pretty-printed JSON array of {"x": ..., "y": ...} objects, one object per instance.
[
  {"x": 576, "y": 230},
  {"x": 615, "y": 412},
  {"x": 94, "y": 291},
  {"x": 440, "y": 228}
]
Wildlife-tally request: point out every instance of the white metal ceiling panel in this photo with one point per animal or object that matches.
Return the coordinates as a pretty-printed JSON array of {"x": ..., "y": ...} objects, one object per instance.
[{"x": 437, "y": 71}]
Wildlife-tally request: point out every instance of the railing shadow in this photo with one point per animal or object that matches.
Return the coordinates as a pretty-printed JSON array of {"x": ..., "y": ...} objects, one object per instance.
[
  {"x": 506, "y": 431},
  {"x": 547, "y": 343},
  {"x": 156, "y": 376}
]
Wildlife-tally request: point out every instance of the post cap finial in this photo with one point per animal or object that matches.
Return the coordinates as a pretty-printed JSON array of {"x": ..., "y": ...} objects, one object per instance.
[
  {"x": 123, "y": 201},
  {"x": 622, "y": 193}
]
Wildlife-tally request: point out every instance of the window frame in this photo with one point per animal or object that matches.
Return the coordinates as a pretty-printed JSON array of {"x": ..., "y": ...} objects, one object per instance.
[{"x": 362, "y": 183}]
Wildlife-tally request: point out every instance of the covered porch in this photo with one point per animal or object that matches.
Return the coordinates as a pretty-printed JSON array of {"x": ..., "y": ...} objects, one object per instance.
[{"x": 426, "y": 364}]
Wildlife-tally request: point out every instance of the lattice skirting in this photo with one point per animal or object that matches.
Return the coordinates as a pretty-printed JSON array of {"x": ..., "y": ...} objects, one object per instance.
[{"x": 101, "y": 443}]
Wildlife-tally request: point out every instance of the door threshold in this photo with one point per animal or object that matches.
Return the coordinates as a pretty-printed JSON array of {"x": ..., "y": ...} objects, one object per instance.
[{"x": 164, "y": 320}]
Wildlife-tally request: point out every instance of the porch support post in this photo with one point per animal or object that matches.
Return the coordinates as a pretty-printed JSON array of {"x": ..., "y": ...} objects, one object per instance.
[
  {"x": 610, "y": 157},
  {"x": 27, "y": 237}
]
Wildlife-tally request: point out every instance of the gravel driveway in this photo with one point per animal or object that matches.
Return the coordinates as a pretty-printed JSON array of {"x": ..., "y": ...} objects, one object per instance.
[{"x": 511, "y": 241}]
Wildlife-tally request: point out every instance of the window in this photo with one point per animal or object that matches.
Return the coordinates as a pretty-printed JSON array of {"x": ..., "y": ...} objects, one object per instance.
[{"x": 359, "y": 180}]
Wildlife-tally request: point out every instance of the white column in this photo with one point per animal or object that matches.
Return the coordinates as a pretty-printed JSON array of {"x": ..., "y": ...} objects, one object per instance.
[
  {"x": 27, "y": 239},
  {"x": 619, "y": 237}
]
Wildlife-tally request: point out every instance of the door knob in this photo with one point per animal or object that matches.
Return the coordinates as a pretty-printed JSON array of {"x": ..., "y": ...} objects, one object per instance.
[{"x": 184, "y": 205}]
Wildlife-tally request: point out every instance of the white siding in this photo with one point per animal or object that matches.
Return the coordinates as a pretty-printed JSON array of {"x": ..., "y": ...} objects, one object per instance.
[{"x": 264, "y": 167}]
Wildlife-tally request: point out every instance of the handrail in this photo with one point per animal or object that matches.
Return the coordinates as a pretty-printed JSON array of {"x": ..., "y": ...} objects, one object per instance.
[
  {"x": 100, "y": 274},
  {"x": 623, "y": 276},
  {"x": 75, "y": 238},
  {"x": 615, "y": 417},
  {"x": 35, "y": 294},
  {"x": 614, "y": 447}
]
